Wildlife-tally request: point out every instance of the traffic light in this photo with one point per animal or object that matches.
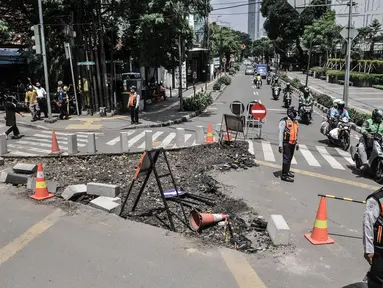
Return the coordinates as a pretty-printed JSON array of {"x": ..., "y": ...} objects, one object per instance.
[{"x": 36, "y": 38}]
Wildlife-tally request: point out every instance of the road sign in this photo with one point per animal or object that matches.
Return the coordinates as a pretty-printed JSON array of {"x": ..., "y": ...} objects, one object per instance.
[
  {"x": 258, "y": 111},
  {"x": 87, "y": 63},
  {"x": 299, "y": 5},
  {"x": 353, "y": 33},
  {"x": 237, "y": 108}
]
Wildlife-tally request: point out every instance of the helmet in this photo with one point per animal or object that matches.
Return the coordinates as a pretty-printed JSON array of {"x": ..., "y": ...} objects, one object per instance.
[
  {"x": 287, "y": 84},
  {"x": 65, "y": 88},
  {"x": 291, "y": 112},
  {"x": 340, "y": 104},
  {"x": 377, "y": 115},
  {"x": 335, "y": 102},
  {"x": 276, "y": 79},
  {"x": 30, "y": 87},
  {"x": 133, "y": 88}
]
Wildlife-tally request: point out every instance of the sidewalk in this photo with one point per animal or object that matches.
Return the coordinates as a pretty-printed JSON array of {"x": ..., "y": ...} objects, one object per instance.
[
  {"x": 363, "y": 99},
  {"x": 164, "y": 113}
]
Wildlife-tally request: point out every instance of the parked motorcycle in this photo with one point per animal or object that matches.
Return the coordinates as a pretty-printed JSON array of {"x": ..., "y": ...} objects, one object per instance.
[
  {"x": 276, "y": 90},
  {"x": 375, "y": 161},
  {"x": 305, "y": 114},
  {"x": 287, "y": 99},
  {"x": 340, "y": 136}
]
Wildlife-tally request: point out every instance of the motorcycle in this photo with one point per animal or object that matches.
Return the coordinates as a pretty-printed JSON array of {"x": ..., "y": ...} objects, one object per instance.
[
  {"x": 258, "y": 84},
  {"x": 340, "y": 136},
  {"x": 276, "y": 91},
  {"x": 287, "y": 99},
  {"x": 305, "y": 114},
  {"x": 268, "y": 80},
  {"x": 375, "y": 161}
]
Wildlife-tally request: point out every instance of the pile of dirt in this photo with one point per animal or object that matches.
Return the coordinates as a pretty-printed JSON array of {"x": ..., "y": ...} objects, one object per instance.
[{"x": 190, "y": 168}]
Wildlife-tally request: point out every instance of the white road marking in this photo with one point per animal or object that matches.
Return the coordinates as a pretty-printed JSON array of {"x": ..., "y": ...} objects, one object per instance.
[
  {"x": 268, "y": 151},
  {"x": 331, "y": 160},
  {"x": 345, "y": 155},
  {"x": 154, "y": 137},
  {"x": 187, "y": 137},
  {"x": 24, "y": 154},
  {"x": 254, "y": 93},
  {"x": 33, "y": 149},
  {"x": 135, "y": 139},
  {"x": 79, "y": 134},
  {"x": 38, "y": 144},
  {"x": 168, "y": 139},
  {"x": 294, "y": 161},
  {"x": 117, "y": 139},
  {"x": 308, "y": 156},
  {"x": 59, "y": 137},
  {"x": 50, "y": 141}
]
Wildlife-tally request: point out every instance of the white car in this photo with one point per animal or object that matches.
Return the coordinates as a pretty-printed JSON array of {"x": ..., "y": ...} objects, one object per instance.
[{"x": 249, "y": 70}]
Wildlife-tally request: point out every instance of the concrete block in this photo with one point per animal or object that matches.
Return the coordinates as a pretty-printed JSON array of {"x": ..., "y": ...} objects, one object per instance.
[
  {"x": 72, "y": 144},
  {"x": 74, "y": 190},
  {"x": 92, "y": 143},
  {"x": 278, "y": 230},
  {"x": 124, "y": 140},
  {"x": 3, "y": 144},
  {"x": 13, "y": 178},
  {"x": 106, "y": 204},
  {"x": 180, "y": 137},
  {"x": 25, "y": 168},
  {"x": 2, "y": 161},
  {"x": 148, "y": 140},
  {"x": 199, "y": 135},
  {"x": 218, "y": 127},
  {"x": 101, "y": 189},
  {"x": 52, "y": 185}
]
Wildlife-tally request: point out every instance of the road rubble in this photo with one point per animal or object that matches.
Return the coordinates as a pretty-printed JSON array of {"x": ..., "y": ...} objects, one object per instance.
[{"x": 191, "y": 169}]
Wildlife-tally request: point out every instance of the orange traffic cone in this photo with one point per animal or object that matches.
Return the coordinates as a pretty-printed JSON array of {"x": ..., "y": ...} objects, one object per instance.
[
  {"x": 41, "y": 191},
  {"x": 55, "y": 145},
  {"x": 209, "y": 136},
  {"x": 319, "y": 234},
  {"x": 200, "y": 220},
  {"x": 227, "y": 137}
]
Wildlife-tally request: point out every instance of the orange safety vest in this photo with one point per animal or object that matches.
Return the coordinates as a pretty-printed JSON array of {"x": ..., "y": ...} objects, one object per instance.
[
  {"x": 132, "y": 100},
  {"x": 378, "y": 229},
  {"x": 290, "y": 134}
]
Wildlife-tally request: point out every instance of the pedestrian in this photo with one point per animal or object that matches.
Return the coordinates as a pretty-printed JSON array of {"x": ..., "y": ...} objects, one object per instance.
[
  {"x": 62, "y": 102},
  {"x": 41, "y": 99},
  {"x": 372, "y": 238},
  {"x": 10, "y": 117},
  {"x": 134, "y": 104},
  {"x": 288, "y": 142},
  {"x": 31, "y": 102}
]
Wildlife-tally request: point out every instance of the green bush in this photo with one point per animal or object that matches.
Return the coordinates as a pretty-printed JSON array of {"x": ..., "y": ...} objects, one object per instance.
[
  {"x": 217, "y": 86},
  {"x": 325, "y": 100},
  {"x": 284, "y": 77},
  {"x": 237, "y": 67},
  {"x": 378, "y": 87},
  {"x": 224, "y": 80},
  {"x": 319, "y": 69},
  {"x": 356, "y": 77},
  {"x": 198, "y": 102},
  {"x": 296, "y": 83}
]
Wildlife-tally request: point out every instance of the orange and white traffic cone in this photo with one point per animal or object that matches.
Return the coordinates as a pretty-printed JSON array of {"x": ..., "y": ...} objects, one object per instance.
[
  {"x": 319, "y": 234},
  {"x": 199, "y": 220},
  {"x": 55, "y": 145},
  {"x": 209, "y": 135},
  {"x": 41, "y": 191},
  {"x": 227, "y": 137}
]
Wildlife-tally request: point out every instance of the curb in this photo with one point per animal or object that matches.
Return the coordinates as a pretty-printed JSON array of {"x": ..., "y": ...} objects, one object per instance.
[{"x": 27, "y": 125}]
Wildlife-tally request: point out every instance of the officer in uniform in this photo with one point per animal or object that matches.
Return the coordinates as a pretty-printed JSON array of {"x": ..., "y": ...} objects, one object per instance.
[
  {"x": 373, "y": 238},
  {"x": 134, "y": 104},
  {"x": 288, "y": 142}
]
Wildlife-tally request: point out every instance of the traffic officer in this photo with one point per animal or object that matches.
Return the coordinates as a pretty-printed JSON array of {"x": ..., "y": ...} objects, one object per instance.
[
  {"x": 373, "y": 237},
  {"x": 134, "y": 104},
  {"x": 288, "y": 142}
]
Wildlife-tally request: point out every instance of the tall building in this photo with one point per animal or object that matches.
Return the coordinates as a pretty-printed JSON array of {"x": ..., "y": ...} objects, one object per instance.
[
  {"x": 255, "y": 20},
  {"x": 251, "y": 19}
]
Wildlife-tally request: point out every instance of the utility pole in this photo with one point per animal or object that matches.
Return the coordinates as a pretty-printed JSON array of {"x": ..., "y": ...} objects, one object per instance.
[
  {"x": 180, "y": 71},
  {"x": 45, "y": 62},
  {"x": 308, "y": 63},
  {"x": 348, "y": 54},
  {"x": 207, "y": 45}
]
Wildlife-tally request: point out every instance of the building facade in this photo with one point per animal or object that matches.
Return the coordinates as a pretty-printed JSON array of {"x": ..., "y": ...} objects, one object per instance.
[{"x": 255, "y": 20}]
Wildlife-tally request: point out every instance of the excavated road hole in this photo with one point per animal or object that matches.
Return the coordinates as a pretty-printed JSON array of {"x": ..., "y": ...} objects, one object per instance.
[{"x": 190, "y": 168}]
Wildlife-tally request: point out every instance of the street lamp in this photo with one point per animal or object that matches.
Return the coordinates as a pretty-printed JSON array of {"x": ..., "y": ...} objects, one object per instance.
[{"x": 309, "y": 60}]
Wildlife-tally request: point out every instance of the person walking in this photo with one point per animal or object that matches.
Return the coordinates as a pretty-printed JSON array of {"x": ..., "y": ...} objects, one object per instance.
[
  {"x": 134, "y": 104},
  {"x": 62, "y": 102},
  {"x": 31, "y": 102},
  {"x": 288, "y": 142},
  {"x": 10, "y": 117},
  {"x": 41, "y": 99},
  {"x": 372, "y": 238}
]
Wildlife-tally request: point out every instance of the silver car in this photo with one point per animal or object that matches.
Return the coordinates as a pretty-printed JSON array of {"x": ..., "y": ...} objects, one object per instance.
[{"x": 249, "y": 70}]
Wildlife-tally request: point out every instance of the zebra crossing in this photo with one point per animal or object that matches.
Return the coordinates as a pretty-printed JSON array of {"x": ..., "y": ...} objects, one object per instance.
[
  {"x": 40, "y": 143},
  {"x": 313, "y": 156}
]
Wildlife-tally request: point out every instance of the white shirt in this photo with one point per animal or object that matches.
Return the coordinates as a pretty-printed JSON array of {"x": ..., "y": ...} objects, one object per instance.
[{"x": 41, "y": 93}]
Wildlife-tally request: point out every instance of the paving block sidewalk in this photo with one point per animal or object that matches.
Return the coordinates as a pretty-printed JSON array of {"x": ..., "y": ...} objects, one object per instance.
[
  {"x": 159, "y": 114},
  {"x": 363, "y": 99}
]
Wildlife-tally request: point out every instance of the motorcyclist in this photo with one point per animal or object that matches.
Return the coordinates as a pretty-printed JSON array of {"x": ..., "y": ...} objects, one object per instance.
[
  {"x": 275, "y": 82},
  {"x": 336, "y": 114},
  {"x": 286, "y": 90},
  {"x": 369, "y": 128},
  {"x": 305, "y": 99},
  {"x": 259, "y": 78}
]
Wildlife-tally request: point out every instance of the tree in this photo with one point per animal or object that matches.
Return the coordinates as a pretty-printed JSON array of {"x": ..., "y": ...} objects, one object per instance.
[
  {"x": 5, "y": 34},
  {"x": 263, "y": 48},
  {"x": 370, "y": 35},
  {"x": 324, "y": 33}
]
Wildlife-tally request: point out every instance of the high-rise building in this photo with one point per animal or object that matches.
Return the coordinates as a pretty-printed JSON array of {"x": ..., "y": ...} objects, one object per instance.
[
  {"x": 251, "y": 19},
  {"x": 255, "y": 20}
]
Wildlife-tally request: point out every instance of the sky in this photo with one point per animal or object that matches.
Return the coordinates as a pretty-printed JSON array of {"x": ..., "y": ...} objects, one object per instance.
[{"x": 235, "y": 17}]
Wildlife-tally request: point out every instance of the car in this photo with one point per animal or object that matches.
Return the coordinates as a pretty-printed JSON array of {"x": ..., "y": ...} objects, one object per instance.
[
  {"x": 249, "y": 70},
  {"x": 262, "y": 69}
]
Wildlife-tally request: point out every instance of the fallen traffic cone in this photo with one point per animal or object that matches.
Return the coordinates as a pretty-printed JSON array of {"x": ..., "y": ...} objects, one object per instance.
[
  {"x": 227, "y": 137},
  {"x": 55, "y": 145},
  {"x": 41, "y": 191},
  {"x": 199, "y": 220},
  {"x": 319, "y": 234},
  {"x": 209, "y": 136}
]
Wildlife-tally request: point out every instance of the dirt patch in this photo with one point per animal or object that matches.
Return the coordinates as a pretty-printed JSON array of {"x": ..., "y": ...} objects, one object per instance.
[{"x": 190, "y": 168}]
